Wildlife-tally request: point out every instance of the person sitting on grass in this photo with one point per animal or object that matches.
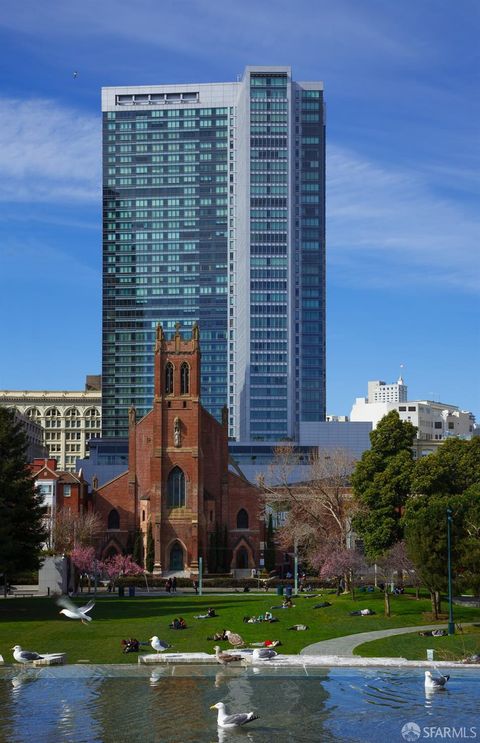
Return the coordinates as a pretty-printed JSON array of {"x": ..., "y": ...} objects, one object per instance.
[
  {"x": 287, "y": 604},
  {"x": 131, "y": 645},
  {"x": 219, "y": 636},
  {"x": 178, "y": 623}
]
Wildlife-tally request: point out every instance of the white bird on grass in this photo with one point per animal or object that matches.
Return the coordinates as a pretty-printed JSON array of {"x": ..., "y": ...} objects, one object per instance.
[
  {"x": 76, "y": 612},
  {"x": 159, "y": 645},
  {"x": 434, "y": 683},
  {"x": 28, "y": 656},
  {"x": 224, "y": 720},
  {"x": 263, "y": 654}
]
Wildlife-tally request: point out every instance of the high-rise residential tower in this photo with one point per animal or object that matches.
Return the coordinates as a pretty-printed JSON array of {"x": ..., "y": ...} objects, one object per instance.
[{"x": 214, "y": 211}]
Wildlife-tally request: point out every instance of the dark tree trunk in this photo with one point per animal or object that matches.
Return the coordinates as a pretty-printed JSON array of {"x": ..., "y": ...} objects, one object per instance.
[{"x": 433, "y": 598}]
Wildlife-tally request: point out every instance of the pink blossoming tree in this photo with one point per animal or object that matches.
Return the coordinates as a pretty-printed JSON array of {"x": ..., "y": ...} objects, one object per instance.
[
  {"x": 117, "y": 566},
  {"x": 335, "y": 563},
  {"x": 84, "y": 560}
]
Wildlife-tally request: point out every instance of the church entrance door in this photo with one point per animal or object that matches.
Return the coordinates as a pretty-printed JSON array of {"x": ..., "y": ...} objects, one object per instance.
[
  {"x": 176, "y": 557},
  {"x": 242, "y": 558}
]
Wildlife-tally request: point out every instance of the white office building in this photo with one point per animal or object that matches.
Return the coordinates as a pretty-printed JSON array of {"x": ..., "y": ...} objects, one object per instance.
[
  {"x": 381, "y": 392},
  {"x": 435, "y": 421}
]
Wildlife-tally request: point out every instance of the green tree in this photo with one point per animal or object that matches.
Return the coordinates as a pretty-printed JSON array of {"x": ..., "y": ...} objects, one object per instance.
[
  {"x": 425, "y": 521},
  {"x": 22, "y": 529},
  {"x": 270, "y": 546},
  {"x": 138, "y": 548},
  {"x": 448, "y": 477},
  {"x": 381, "y": 484},
  {"x": 150, "y": 552},
  {"x": 469, "y": 549},
  {"x": 213, "y": 551},
  {"x": 226, "y": 556},
  {"x": 451, "y": 469}
]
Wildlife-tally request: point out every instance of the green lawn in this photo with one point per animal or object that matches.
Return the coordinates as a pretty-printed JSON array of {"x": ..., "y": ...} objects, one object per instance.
[
  {"x": 413, "y": 647},
  {"x": 36, "y": 624}
]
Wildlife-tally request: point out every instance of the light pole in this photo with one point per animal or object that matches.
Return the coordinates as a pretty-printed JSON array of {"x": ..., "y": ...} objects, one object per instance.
[
  {"x": 295, "y": 567},
  {"x": 451, "y": 623}
]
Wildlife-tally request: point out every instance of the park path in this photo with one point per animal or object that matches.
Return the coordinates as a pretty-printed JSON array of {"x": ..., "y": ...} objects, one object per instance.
[{"x": 344, "y": 646}]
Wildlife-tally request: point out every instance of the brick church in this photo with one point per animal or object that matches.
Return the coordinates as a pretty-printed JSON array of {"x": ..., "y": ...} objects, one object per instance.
[{"x": 178, "y": 477}]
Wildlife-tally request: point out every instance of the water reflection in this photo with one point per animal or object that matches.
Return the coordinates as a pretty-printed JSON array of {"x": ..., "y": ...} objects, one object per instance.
[
  {"x": 81, "y": 704},
  {"x": 156, "y": 675},
  {"x": 234, "y": 736}
]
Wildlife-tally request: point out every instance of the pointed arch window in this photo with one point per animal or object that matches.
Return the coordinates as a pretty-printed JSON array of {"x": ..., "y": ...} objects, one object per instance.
[
  {"x": 176, "y": 488},
  {"x": 184, "y": 378},
  {"x": 169, "y": 378},
  {"x": 242, "y": 519},
  {"x": 114, "y": 519}
]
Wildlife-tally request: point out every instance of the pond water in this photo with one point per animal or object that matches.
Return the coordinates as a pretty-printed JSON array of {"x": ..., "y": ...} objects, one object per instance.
[{"x": 170, "y": 704}]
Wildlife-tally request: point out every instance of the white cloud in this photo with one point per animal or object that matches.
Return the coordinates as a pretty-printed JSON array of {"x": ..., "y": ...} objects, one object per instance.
[
  {"x": 206, "y": 28},
  {"x": 386, "y": 226},
  {"x": 48, "y": 152},
  {"x": 383, "y": 222}
]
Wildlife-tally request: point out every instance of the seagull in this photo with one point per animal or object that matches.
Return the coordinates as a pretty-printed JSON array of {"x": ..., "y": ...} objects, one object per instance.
[
  {"x": 76, "y": 612},
  {"x": 28, "y": 656},
  {"x": 159, "y": 645},
  {"x": 263, "y": 654},
  {"x": 229, "y": 722},
  {"x": 236, "y": 640},
  {"x": 25, "y": 656},
  {"x": 225, "y": 658},
  {"x": 431, "y": 682}
]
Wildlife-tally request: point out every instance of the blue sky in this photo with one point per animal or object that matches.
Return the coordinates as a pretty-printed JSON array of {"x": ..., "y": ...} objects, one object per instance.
[{"x": 403, "y": 112}]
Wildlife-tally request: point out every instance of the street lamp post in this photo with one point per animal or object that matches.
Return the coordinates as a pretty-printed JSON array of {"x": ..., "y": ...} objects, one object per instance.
[
  {"x": 295, "y": 568},
  {"x": 200, "y": 576},
  {"x": 451, "y": 623}
]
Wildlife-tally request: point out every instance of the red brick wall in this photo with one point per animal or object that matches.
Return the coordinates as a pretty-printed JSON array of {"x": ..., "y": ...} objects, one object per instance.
[{"x": 202, "y": 454}]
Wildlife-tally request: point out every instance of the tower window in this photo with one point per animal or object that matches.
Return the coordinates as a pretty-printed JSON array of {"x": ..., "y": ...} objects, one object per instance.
[
  {"x": 184, "y": 378},
  {"x": 176, "y": 488},
  {"x": 169, "y": 378}
]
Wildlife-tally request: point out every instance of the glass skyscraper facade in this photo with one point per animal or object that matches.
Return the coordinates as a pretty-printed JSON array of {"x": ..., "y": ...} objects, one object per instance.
[{"x": 213, "y": 211}]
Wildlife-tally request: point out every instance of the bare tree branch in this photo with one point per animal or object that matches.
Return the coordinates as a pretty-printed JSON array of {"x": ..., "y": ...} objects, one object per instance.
[
  {"x": 72, "y": 529},
  {"x": 318, "y": 509}
]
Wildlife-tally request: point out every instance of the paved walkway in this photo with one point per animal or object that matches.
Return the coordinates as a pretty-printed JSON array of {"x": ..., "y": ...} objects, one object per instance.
[{"x": 344, "y": 646}]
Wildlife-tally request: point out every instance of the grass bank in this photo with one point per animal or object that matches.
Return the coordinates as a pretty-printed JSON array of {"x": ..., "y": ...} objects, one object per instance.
[
  {"x": 35, "y": 623},
  {"x": 465, "y": 641}
]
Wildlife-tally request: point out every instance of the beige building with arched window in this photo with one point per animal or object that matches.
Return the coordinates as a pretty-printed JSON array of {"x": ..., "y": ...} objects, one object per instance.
[{"x": 68, "y": 418}]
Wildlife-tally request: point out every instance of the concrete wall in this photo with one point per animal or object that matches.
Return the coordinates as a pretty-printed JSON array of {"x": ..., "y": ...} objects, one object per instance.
[{"x": 52, "y": 576}]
